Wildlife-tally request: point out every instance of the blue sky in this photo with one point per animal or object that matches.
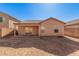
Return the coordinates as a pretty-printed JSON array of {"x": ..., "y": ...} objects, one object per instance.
[{"x": 32, "y": 11}]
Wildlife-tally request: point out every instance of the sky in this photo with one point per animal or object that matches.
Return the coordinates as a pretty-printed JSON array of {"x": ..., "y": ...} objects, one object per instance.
[{"x": 41, "y": 11}]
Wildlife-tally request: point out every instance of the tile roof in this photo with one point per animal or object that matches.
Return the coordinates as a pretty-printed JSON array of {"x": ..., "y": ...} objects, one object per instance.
[
  {"x": 53, "y": 19},
  {"x": 32, "y": 21},
  {"x": 73, "y": 22},
  {"x": 40, "y": 21},
  {"x": 12, "y": 18}
]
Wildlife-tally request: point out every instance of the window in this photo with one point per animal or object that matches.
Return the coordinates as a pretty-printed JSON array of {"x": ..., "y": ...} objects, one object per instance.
[
  {"x": 56, "y": 30},
  {"x": 1, "y": 19},
  {"x": 42, "y": 29}
]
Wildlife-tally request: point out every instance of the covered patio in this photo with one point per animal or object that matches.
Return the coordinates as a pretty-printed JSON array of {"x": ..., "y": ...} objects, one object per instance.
[{"x": 26, "y": 29}]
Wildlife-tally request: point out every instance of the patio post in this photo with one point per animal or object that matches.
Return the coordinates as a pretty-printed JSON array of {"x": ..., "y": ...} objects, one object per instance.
[
  {"x": 39, "y": 31},
  {"x": 14, "y": 30}
]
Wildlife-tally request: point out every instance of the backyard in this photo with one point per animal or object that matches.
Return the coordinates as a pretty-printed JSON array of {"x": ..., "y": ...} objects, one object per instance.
[{"x": 38, "y": 46}]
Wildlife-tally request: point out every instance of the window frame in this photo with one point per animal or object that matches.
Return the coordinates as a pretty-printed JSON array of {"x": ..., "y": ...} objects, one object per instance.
[
  {"x": 43, "y": 29},
  {"x": 2, "y": 19},
  {"x": 56, "y": 30}
]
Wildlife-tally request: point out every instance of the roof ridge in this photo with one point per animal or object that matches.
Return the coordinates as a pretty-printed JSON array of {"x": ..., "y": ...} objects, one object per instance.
[
  {"x": 10, "y": 16},
  {"x": 54, "y": 19}
]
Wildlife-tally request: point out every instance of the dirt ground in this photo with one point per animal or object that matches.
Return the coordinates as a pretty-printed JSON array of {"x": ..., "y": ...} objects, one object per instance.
[{"x": 39, "y": 46}]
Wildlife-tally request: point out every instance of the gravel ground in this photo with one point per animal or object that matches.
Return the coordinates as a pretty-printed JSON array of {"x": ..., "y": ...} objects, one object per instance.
[{"x": 39, "y": 46}]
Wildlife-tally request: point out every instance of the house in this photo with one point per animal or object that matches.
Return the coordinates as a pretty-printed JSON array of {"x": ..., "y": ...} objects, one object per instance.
[
  {"x": 48, "y": 27},
  {"x": 6, "y": 24},
  {"x": 72, "y": 28}
]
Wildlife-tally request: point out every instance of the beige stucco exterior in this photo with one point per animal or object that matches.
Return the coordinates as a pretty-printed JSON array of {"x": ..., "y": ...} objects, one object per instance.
[
  {"x": 5, "y": 20},
  {"x": 43, "y": 28},
  {"x": 11, "y": 24},
  {"x": 8, "y": 23},
  {"x": 5, "y": 31},
  {"x": 72, "y": 30},
  {"x": 48, "y": 26}
]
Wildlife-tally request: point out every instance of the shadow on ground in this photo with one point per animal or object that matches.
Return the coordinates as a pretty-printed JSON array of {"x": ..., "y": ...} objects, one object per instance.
[{"x": 55, "y": 45}]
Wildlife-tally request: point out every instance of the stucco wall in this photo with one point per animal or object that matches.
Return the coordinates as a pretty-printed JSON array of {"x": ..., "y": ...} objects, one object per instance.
[
  {"x": 72, "y": 30},
  {"x": 5, "y": 20},
  {"x": 8, "y": 21},
  {"x": 11, "y": 24},
  {"x": 5, "y": 31},
  {"x": 49, "y": 27}
]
